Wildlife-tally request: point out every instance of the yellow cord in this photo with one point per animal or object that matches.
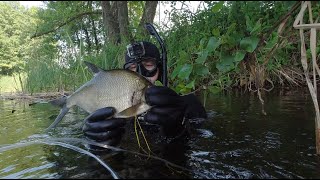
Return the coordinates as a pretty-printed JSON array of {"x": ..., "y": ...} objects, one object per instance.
[
  {"x": 135, "y": 130},
  {"x": 137, "y": 136},
  {"x": 144, "y": 138}
]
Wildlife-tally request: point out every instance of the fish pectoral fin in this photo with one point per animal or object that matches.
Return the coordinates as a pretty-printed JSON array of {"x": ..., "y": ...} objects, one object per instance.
[
  {"x": 133, "y": 110},
  {"x": 63, "y": 112}
]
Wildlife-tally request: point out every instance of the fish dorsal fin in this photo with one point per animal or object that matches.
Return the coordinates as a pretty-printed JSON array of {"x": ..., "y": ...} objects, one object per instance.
[
  {"x": 133, "y": 110},
  {"x": 92, "y": 67}
]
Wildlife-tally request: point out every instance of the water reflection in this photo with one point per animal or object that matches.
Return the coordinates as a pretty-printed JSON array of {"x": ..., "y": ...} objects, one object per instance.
[{"x": 236, "y": 141}]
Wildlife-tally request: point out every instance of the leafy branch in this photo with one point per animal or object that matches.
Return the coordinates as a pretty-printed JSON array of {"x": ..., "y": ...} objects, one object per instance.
[{"x": 65, "y": 23}]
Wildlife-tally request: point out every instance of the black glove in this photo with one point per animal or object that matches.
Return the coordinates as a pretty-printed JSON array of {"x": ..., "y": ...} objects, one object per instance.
[
  {"x": 194, "y": 107},
  {"x": 100, "y": 127},
  {"x": 167, "y": 111}
]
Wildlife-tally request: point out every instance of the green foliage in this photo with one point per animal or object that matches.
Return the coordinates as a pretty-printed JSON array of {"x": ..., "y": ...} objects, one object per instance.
[
  {"x": 15, "y": 24},
  {"x": 249, "y": 43},
  {"x": 76, "y": 22},
  {"x": 208, "y": 51},
  {"x": 9, "y": 84}
]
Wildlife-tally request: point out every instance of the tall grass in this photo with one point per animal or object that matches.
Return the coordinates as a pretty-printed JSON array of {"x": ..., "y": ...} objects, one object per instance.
[
  {"x": 11, "y": 84},
  {"x": 58, "y": 72}
]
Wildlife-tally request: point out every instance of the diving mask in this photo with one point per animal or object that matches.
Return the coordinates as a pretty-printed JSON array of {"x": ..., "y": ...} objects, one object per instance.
[{"x": 145, "y": 66}]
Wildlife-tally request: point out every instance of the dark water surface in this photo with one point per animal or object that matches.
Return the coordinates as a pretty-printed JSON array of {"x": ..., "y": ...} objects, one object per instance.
[{"x": 236, "y": 141}]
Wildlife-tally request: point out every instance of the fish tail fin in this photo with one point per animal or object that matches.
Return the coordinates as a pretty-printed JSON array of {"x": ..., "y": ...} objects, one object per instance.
[
  {"x": 59, "y": 102},
  {"x": 63, "y": 112}
]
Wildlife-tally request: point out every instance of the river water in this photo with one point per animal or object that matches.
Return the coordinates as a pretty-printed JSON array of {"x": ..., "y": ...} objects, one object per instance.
[{"x": 236, "y": 141}]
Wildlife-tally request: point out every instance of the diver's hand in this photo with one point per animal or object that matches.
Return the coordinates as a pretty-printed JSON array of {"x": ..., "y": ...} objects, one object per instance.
[
  {"x": 167, "y": 111},
  {"x": 99, "y": 126},
  {"x": 194, "y": 108}
]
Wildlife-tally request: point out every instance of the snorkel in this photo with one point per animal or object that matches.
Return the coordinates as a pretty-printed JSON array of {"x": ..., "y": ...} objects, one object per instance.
[{"x": 152, "y": 31}]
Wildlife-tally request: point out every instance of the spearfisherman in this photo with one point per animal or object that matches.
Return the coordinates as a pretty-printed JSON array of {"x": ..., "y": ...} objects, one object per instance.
[{"x": 170, "y": 111}]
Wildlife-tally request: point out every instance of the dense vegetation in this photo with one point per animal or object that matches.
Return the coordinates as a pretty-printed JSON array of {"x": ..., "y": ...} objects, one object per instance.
[{"x": 237, "y": 44}]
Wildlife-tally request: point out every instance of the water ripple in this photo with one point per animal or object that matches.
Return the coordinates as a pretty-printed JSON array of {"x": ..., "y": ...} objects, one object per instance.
[{"x": 20, "y": 174}]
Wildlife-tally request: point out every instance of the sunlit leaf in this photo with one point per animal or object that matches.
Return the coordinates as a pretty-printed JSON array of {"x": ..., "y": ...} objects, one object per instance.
[
  {"x": 217, "y": 7},
  {"x": 158, "y": 83},
  {"x": 216, "y": 32},
  {"x": 190, "y": 85}
]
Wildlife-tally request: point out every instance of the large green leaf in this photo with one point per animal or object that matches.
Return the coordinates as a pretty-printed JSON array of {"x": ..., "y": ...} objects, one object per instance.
[
  {"x": 202, "y": 57},
  {"x": 185, "y": 71},
  {"x": 202, "y": 41},
  {"x": 176, "y": 71},
  {"x": 249, "y": 44},
  {"x": 272, "y": 41},
  {"x": 190, "y": 85},
  {"x": 201, "y": 70},
  {"x": 239, "y": 56},
  {"x": 158, "y": 83},
  {"x": 212, "y": 44},
  {"x": 183, "y": 57},
  {"x": 226, "y": 63},
  {"x": 249, "y": 23}
]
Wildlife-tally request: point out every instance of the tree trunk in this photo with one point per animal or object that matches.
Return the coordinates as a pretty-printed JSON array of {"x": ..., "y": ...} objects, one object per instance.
[
  {"x": 78, "y": 39},
  {"x": 94, "y": 28},
  {"x": 109, "y": 14},
  {"x": 94, "y": 31},
  {"x": 87, "y": 39},
  {"x": 116, "y": 20},
  {"x": 123, "y": 20},
  {"x": 148, "y": 15}
]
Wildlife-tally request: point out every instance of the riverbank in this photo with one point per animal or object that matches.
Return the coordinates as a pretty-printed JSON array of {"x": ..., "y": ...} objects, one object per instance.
[{"x": 32, "y": 96}]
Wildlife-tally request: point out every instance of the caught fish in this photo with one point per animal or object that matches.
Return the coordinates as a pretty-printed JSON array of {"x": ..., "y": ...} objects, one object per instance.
[{"x": 119, "y": 88}]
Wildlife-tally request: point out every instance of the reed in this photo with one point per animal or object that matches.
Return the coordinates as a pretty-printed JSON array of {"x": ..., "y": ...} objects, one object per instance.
[
  {"x": 66, "y": 71},
  {"x": 11, "y": 84}
]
